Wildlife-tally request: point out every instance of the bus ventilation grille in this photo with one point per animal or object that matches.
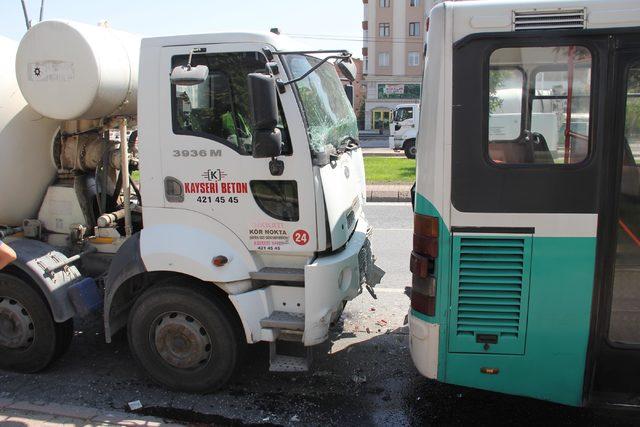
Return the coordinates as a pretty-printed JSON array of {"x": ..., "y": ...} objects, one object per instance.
[
  {"x": 490, "y": 286},
  {"x": 549, "y": 19}
]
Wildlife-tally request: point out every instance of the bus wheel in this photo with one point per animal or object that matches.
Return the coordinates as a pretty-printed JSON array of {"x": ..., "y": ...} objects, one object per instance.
[
  {"x": 30, "y": 340},
  {"x": 410, "y": 149},
  {"x": 183, "y": 338}
]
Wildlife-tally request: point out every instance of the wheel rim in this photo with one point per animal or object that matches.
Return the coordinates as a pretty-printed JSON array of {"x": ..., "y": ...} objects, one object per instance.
[
  {"x": 181, "y": 340},
  {"x": 16, "y": 325},
  {"x": 413, "y": 150}
]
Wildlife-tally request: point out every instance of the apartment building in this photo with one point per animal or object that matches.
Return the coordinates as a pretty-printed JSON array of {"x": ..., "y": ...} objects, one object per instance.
[{"x": 393, "y": 56}]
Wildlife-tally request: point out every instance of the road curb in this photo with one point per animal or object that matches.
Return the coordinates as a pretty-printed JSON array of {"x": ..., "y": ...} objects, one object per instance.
[
  {"x": 385, "y": 153},
  {"x": 54, "y": 414}
]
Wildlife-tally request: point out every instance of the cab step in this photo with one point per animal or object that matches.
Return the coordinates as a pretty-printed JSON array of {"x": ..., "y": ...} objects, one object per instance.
[
  {"x": 284, "y": 321},
  {"x": 288, "y": 362},
  {"x": 273, "y": 274}
]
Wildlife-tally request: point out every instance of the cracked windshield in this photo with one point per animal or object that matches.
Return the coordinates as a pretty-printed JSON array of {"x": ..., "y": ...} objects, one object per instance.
[{"x": 329, "y": 114}]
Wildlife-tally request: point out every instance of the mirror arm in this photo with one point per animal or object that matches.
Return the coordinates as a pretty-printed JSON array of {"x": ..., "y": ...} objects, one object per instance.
[
  {"x": 276, "y": 167},
  {"x": 192, "y": 51}
]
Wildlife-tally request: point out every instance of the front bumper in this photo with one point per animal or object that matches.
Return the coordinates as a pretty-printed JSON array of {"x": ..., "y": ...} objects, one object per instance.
[
  {"x": 423, "y": 345},
  {"x": 332, "y": 280},
  {"x": 329, "y": 282},
  {"x": 395, "y": 143}
]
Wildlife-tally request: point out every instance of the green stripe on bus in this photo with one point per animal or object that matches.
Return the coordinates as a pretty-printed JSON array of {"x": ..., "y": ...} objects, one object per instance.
[{"x": 558, "y": 321}]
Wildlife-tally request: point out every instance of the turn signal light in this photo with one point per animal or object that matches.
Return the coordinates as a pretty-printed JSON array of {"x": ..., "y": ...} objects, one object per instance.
[
  {"x": 425, "y": 226},
  {"x": 220, "y": 260},
  {"x": 423, "y": 295},
  {"x": 425, "y": 245},
  {"x": 422, "y": 264}
]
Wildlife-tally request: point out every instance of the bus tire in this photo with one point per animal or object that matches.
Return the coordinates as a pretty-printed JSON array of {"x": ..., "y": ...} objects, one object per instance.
[
  {"x": 184, "y": 338},
  {"x": 30, "y": 340},
  {"x": 410, "y": 149}
]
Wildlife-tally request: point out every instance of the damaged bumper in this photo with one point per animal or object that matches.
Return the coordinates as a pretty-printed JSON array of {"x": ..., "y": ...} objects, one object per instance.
[{"x": 332, "y": 280}]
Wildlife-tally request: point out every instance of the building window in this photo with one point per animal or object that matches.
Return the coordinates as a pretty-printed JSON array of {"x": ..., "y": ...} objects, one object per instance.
[
  {"x": 385, "y": 3},
  {"x": 383, "y": 59},
  {"x": 414, "y": 59},
  {"x": 384, "y": 29},
  {"x": 414, "y": 29},
  {"x": 414, "y": 3}
]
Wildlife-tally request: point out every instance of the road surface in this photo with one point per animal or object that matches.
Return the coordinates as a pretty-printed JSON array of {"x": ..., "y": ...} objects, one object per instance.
[{"x": 362, "y": 376}]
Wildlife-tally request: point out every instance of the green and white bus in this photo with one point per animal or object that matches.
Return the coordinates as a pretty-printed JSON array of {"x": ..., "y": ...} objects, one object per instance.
[{"x": 526, "y": 247}]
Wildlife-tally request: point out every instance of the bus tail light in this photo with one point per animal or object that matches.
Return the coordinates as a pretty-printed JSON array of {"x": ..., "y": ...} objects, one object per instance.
[{"x": 422, "y": 264}]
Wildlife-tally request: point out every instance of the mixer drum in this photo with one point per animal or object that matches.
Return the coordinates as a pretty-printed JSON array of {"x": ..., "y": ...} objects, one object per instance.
[
  {"x": 68, "y": 71},
  {"x": 26, "y": 164}
]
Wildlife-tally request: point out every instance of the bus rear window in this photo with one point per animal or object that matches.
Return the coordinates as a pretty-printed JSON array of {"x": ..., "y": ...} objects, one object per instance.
[{"x": 539, "y": 103}]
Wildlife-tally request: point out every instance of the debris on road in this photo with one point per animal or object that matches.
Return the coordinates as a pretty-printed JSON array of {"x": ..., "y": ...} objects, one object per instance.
[
  {"x": 134, "y": 405},
  {"x": 359, "y": 379}
]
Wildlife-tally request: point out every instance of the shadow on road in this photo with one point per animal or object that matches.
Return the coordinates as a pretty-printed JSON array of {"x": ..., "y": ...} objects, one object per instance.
[{"x": 357, "y": 379}]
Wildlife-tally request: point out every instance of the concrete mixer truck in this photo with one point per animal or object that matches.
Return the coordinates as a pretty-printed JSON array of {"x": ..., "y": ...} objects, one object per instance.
[{"x": 246, "y": 224}]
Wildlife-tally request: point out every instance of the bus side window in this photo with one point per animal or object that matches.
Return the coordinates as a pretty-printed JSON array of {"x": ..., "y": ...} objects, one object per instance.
[
  {"x": 539, "y": 104},
  {"x": 506, "y": 88}
]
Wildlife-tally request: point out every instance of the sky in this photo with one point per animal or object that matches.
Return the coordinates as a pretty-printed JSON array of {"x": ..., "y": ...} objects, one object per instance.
[{"x": 323, "y": 24}]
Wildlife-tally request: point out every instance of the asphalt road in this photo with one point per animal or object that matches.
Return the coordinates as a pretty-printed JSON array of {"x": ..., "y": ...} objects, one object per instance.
[{"x": 362, "y": 376}]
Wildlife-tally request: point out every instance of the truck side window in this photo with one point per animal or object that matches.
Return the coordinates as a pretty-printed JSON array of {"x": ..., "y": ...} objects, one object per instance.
[
  {"x": 538, "y": 103},
  {"x": 403, "y": 114},
  {"x": 218, "y": 108}
]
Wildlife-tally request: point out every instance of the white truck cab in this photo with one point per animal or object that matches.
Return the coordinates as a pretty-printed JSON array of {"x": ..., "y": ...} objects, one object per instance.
[
  {"x": 403, "y": 130},
  {"x": 248, "y": 221}
]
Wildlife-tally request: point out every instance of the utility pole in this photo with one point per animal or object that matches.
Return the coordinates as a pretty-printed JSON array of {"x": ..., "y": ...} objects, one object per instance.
[{"x": 41, "y": 10}]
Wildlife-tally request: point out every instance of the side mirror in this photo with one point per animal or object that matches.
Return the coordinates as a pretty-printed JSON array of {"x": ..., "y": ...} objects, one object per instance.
[
  {"x": 263, "y": 101},
  {"x": 186, "y": 75},
  {"x": 348, "y": 69},
  {"x": 348, "y": 90}
]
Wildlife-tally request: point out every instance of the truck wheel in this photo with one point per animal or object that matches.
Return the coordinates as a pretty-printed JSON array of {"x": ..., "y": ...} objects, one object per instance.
[
  {"x": 410, "y": 149},
  {"x": 30, "y": 340},
  {"x": 64, "y": 336},
  {"x": 184, "y": 339}
]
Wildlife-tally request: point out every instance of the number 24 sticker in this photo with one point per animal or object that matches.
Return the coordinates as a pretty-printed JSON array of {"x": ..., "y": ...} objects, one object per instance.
[{"x": 300, "y": 237}]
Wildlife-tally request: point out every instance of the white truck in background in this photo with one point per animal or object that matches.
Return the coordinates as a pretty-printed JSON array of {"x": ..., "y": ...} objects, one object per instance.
[
  {"x": 246, "y": 224},
  {"x": 403, "y": 129}
]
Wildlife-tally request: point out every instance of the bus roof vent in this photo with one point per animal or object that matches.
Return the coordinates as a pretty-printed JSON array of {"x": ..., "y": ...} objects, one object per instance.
[{"x": 549, "y": 19}]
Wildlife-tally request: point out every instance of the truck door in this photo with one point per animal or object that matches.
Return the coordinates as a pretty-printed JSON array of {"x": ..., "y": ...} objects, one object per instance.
[
  {"x": 207, "y": 165},
  {"x": 617, "y": 335}
]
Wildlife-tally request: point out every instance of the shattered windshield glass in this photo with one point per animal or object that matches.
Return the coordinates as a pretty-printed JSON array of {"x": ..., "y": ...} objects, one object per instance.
[{"x": 330, "y": 117}]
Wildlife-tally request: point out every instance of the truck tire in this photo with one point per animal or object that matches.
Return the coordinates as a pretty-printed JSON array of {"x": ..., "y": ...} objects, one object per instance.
[
  {"x": 30, "y": 340},
  {"x": 184, "y": 338},
  {"x": 410, "y": 149}
]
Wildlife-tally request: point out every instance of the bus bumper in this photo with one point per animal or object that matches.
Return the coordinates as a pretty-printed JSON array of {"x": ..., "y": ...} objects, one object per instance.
[{"x": 423, "y": 344}]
